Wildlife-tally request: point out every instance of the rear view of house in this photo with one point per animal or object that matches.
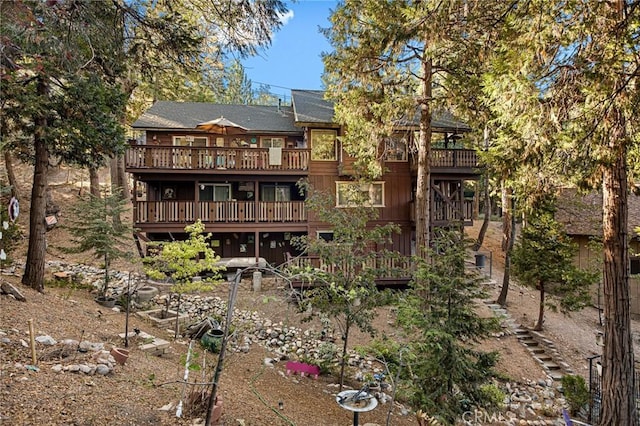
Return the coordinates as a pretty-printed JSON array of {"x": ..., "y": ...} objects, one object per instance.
[{"x": 235, "y": 168}]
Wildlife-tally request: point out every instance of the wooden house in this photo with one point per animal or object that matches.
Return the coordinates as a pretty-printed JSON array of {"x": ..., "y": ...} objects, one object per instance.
[
  {"x": 235, "y": 168},
  {"x": 581, "y": 215}
]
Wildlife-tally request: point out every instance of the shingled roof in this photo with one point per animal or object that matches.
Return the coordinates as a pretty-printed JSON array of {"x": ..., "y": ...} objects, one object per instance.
[
  {"x": 169, "y": 115},
  {"x": 311, "y": 107},
  {"x": 581, "y": 214}
]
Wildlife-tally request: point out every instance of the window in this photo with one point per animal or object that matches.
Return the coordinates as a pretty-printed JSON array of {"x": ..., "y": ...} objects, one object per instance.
[
  {"x": 635, "y": 265},
  {"x": 195, "y": 141},
  {"x": 350, "y": 194},
  {"x": 215, "y": 192},
  {"x": 395, "y": 148},
  {"x": 325, "y": 235},
  {"x": 323, "y": 145},
  {"x": 272, "y": 142},
  {"x": 275, "y": 193}
]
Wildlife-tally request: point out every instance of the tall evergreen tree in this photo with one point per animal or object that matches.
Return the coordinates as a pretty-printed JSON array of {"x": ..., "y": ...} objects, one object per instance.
[
  {"x": 442, "y": 325},
  {"x": 58, "y": 99},
  {"x": 390, "y": 63},
  {"x": 566, "y": 84}
]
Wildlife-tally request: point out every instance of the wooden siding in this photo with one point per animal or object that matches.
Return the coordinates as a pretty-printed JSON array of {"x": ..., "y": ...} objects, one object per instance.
[{"x": 587, "y": 257}]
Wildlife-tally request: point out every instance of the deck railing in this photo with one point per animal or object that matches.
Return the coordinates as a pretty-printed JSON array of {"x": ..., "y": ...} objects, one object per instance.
[
  {"x": 219, "y": 211},
  {"x": 179, "y": 158},
  {"x": 452, "y": 158},
  {"x": 452, "y": 211},
  {"x": 393, "y": 267}
]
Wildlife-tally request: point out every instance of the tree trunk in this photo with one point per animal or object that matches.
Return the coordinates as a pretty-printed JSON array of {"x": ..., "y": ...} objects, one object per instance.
[
  {"x": 423, "y": 184},
  {"x": 11, "y": 176},
  {"x": 344, "y": 356},
  {"x": 113, "y": 173},
  {"x": 507, "y": 195},
  {"x": 94, "y": 182},
  {"x": 487, "y": 216},
  {"x": 34, "y": 268},
  {"x": 122, "y": 177},
  {"x": 538, "y": 326},
  {"x": 618, "y": 399},
  {"x": 511, "y": 237}
]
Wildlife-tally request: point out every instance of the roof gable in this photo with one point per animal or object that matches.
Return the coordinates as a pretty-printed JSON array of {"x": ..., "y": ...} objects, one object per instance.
[{"x": 581, "y": 214}]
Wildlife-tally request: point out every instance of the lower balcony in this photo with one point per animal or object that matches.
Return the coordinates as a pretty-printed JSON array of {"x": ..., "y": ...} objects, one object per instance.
[{"x": 219, "y": 211}]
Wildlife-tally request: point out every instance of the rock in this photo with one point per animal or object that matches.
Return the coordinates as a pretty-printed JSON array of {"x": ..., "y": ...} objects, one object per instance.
[
  {"x": 57, "y": 368},
  {"x": 7, "y": 288},
  {"x": 86, "y": 369},
  {"x": 46, "y": 340},
  {"x": 102, "y": 369},
  {"x": 269, "y": 362}
]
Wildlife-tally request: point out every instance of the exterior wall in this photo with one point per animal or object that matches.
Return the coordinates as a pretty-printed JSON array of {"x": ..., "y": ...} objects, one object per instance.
[
  {"x": 586, "y": 257},
  {"x": 169, "y": 199},
  {"x": 397, "y": 198}
]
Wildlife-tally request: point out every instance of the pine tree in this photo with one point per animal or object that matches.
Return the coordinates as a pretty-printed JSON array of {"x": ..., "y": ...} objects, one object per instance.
[
  {"x": 543, "y": 259},
  {"x": 93, "y": 225},
  {"x": 440, "y": 319}
]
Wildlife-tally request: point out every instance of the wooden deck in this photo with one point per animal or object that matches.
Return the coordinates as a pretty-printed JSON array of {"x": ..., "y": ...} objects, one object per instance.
[
  {"x": 399, "y": 271},
  {"x": 214, "y": 158},
  {"x": 220, "y": 211}
]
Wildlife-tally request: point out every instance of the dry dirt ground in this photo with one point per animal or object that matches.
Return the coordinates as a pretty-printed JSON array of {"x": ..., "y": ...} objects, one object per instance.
[{"x": 135, "y": 392}]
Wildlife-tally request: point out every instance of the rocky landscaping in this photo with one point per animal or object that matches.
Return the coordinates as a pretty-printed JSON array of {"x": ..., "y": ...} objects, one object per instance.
[{"x": 266, "y": 338}]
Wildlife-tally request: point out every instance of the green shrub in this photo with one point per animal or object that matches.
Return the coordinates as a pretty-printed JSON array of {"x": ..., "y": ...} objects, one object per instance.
[
  {"x": 491, "y": 396},
  {"x": 576, "y": 392}
]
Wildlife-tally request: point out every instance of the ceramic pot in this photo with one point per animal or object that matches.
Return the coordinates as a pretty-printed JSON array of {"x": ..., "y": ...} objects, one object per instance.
[
  {"x": 106, "y": 301},
  {"x": 120, "y": 355},
  {"x": 212, "y": 340},
  {"x": 146, "y": 293}
]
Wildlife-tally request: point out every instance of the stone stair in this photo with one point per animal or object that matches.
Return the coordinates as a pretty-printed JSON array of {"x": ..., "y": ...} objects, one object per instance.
[{"x": 541, "y": 349}]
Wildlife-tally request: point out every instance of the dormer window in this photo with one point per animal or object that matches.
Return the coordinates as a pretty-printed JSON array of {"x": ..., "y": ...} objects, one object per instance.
[
  {"x": 395, "y": 148},
  {"x": 323, "y": 145}
]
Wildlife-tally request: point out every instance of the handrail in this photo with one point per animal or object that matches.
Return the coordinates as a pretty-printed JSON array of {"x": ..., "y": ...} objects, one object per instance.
[
  {"x": 197, "y": 158},
  {"x": 220, "y": 211}
]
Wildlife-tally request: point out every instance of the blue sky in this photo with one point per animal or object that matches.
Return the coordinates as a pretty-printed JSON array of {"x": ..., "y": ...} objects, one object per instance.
[{"x": 293, "y": 60}]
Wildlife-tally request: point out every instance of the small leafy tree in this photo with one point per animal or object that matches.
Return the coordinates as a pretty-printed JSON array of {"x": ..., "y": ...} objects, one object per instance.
[
  {"x": 95, "y": 226},
  {"x": 543, "y": 259},
  {"x": 180, "y": 261},
  {"x": 350, "y": 263},
  {"x": 438, "y": 314}
]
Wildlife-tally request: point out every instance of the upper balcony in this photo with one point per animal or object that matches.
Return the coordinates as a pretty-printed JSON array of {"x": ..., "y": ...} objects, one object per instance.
[
  {"x": 453, "y": 161},
  {"x": 153, "y": 158}
]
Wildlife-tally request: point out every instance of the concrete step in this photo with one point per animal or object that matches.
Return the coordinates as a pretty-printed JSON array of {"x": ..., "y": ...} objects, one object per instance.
[
  {"x": 521, "y": 336},
  {"x": 529, "y": 342},
  {"x": 544, "y": 357},
  {"x": 550, "y": 365},
  {"x": 556, "y": 375}
]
